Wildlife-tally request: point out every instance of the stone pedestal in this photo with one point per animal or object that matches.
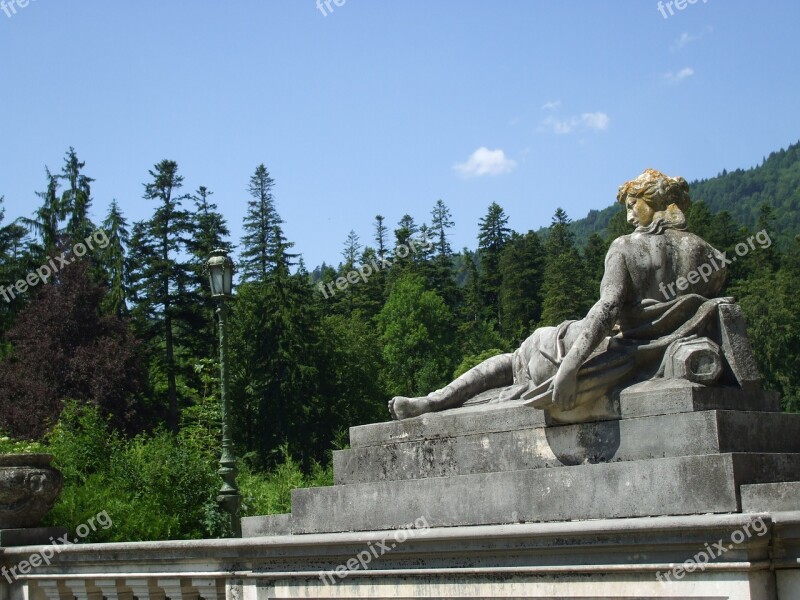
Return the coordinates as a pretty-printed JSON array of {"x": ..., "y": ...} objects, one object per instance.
[{"x": 671, "y": 452}]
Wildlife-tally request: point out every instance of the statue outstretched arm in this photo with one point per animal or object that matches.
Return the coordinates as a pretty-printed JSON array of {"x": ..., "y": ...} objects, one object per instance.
[{"x": 597, "y": 325}]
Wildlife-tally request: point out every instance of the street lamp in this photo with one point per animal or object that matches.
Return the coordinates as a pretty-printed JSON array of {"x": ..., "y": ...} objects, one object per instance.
[{"x": 220, "y": 269}]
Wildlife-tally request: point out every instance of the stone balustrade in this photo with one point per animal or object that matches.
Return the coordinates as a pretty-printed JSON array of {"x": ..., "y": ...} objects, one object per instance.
[{"x": 598, "y": 559}]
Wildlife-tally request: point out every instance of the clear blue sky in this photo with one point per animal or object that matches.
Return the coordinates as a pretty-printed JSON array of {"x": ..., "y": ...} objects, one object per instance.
[{"x": 379, "y": 106}]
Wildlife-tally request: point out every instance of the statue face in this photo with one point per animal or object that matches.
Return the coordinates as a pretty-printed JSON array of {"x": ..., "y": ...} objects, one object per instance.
[{"x": 640, "y": 213}]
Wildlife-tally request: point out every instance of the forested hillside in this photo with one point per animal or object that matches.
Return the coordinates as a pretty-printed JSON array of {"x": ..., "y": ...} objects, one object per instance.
[
  {"x": 740, "y": 193},
  {"x": 109, "y": 361}
]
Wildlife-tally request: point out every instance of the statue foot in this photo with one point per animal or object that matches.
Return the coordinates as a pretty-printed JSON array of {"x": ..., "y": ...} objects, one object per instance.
[{"x": 404, "y": 408}]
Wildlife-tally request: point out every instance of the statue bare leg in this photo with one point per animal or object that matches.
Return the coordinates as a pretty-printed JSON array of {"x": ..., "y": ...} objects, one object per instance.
[{"x": 494, "y": 372}]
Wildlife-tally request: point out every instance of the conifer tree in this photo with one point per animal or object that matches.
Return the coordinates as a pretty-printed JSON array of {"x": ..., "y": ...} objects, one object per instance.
[
  {"x": 112, "y": 259},
  {"x": 565, "y": 287},
  {"x": 522, "y": 271},
  {"x": 443, "y": 274},
  {"x": 492, "y": 239},
  {"x": 260, "y": 222},
  {"x": 77, "y": 197},
  {"x": 48, "y": 217},
  {"x": 208, "y": 232},
  {"x": 161, "y": 276},
  {"x": 380, "y": 236}
]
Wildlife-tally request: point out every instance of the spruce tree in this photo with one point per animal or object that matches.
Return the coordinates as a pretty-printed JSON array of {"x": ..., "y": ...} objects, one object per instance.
[
  {"x": 522, "y": 271},
  {"x": 48, "y": 217},
  {"x": 161, "y": 277},
  {"x": 380, "y": 236},
  {"x": 112, "y": 260},
  {"x": 492, "y": 239},
  {"x": 565, "y": 283},
  {"x": 258, "y": 245},
  {"x": 77, "y": 197},
  {"x": 208, "y": 232},
  {"x": 443, "y": 273}
]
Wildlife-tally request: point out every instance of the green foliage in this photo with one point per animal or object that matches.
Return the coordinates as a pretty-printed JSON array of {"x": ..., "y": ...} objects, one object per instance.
[
  {"x": 271, "y": 493},
  {"x": 522, "y": 273},
  {"x": 154, "y": 486},
  {"x": 306, "y": 365},
  {"x": 771, "y": 304},
  {"x": 81, "y": 442},
  {"x": 739, "y": 193},
  {"x": 566, "y": 281},
  {"x": 416, "y": 330},
  {"x": 12, "y": 446},
  {"x": 473, "y": 360},
  {"x": 493, "y": 235}
]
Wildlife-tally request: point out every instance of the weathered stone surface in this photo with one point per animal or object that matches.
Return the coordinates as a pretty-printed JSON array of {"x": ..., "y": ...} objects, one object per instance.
[
  {"x": 679, "y": 434},
  {"x": 736, "y": 347},
  {"x": 659, "y": 397},
  {"x": 30, "y": 536},
  {"x": 29, "y": 487},
  {"x": 268, "y": 525},
  {"x": 469, "y": 419},
  {"x": 698, "y": 360},
  {"x": 617, "y": 559},
  {"x": 662, "y": 397},
  {"x": 667, "y": 486},
  {"x": 781, "y": 496}
]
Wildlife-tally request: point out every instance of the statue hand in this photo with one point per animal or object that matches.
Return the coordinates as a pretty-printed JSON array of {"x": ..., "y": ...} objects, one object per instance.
[{"x": 565, "y": 388}]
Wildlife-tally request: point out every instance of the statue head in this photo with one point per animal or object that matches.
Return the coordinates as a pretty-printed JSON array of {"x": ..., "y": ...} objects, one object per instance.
[{"x": 655, "y": 201}]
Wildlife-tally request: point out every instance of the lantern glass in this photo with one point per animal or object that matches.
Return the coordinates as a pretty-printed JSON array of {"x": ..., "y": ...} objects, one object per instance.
[
  {"x": 215, "y": 276},
  {"x": 227, "y": 280},
  {"x": 220, "y": 274}
]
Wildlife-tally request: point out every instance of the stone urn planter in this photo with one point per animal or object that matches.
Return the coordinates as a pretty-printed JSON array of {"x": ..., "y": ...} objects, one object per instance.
[{"x": 29, "y": 487}]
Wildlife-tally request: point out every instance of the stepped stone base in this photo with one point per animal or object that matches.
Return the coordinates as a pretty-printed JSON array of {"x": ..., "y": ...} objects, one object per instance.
[
  {"x": 667, "y": 486},
  {"x": 535, "y": 447},
  {"x": 494, "y": 501},
  {"x": 673, "y": 448}
]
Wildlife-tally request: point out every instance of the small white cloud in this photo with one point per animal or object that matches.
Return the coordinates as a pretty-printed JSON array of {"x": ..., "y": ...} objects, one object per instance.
[
  {"x": 485, "y": 162},
  {"x": 684, "y": 40},
  {"x": 683, "y": 74},
  {"x": 687, "y": 38},
  {"x": 597, "y": 121},
  {"x": 552, "y": 105}
]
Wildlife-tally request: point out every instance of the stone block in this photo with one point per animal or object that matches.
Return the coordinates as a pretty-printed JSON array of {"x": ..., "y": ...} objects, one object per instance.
[
  {"x": 268, "y": 525},
  {"x": 30, "y": 536},
  {"x": 678, "y": 434},
  {"x": 772, "y": 497},
  {"x": 667, "y": 486},
  {"x": 665, "y": 396}
]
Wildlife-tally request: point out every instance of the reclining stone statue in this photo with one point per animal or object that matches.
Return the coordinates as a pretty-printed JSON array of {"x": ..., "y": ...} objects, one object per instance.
[{"x": 658, "y": 302}]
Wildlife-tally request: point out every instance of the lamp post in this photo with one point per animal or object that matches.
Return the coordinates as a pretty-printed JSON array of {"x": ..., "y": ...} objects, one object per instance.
[{"x": 220, "y": 269}]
